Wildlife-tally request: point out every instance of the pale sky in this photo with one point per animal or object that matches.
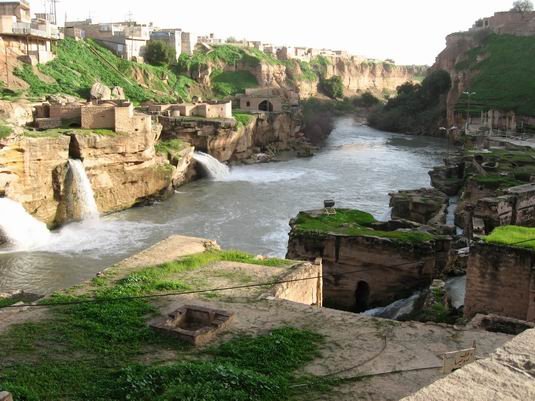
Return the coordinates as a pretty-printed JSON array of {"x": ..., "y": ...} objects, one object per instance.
[{"x": 408, "y": 31}]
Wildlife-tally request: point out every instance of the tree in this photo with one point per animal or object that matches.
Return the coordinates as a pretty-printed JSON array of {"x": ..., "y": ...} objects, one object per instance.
[
  {"x": 159, "y": 53},
  {"x": 522, "y": 6},
  {"x": 332, "y": 87}
]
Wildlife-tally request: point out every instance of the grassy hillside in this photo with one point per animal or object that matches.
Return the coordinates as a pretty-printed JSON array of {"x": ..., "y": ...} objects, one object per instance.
[
  {"x": 79, "y": 65},
  {"x": 504, "y": 67}
]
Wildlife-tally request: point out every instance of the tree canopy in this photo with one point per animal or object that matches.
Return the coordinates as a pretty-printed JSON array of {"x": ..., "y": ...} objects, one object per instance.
[
  {"x": 159, "y": 53},
  {"x": 522, "y": 6}
]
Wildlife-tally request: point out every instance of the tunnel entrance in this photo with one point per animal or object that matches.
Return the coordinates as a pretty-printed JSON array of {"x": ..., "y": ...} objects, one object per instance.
[
  {"x": 362, "y": 295},
  {"x": 266, "y": 105}
]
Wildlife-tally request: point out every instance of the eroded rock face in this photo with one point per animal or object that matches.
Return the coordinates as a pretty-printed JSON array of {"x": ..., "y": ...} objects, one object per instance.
[
  {"x": 123, "y": 170},
  {"x": 32, "y": 172},
  {"x": 100, "y": 91},
  {"x": 424, "y": 206},
  {"x": 227, "y": 142}
]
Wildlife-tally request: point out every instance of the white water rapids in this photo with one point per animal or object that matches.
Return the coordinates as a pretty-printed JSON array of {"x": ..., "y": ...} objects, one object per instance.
[
  {"x": 24, "y": 232},
  {"x": 212, "y": 167}
]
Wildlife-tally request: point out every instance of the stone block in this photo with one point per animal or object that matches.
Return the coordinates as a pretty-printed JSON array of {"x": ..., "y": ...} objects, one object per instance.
[
  {"x": 194, "y": 324},
  {"x": 5, "y": 396},
  {"x": 47, "y": 123}
]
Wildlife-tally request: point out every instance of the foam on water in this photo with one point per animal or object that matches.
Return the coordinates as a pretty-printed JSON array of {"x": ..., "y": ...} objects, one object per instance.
[
  {"x": 213, "y": 167},
  {"x": 84, "y": 191},
  {"x": 21, "y": 229}
]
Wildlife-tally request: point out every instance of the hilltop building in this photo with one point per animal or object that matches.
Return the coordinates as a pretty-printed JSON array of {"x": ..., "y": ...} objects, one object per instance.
[
  {"x": 508, "y": 22},
  {"x": 182, "y": 42},
  {"x": 126, "y": 39},
  {"x": 30, "y": 39}
]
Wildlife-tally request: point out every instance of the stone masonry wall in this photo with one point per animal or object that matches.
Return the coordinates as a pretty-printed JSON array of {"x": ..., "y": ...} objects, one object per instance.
[
  {"x": 500, "y": 280},
  {"x": 307, "y": 287},
  {"x": 364, "y": 272}
]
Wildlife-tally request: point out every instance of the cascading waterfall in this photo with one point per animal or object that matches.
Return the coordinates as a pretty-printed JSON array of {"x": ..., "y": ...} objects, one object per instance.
[
  {"x": 84, "y": 191},
  {"x": 397, "y": 309},
  {"x": 21, "y": 230},
  {"x": 213, "y": 167}
]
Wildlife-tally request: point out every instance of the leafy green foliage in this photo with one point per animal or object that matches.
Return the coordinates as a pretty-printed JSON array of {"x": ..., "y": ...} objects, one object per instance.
[
  {"x": 503, "y": 68},
  {"x": 417, "y": 108},
  {"x": 332, "y": 87},
  {"x": 79, "y": 65},
  {"x": 230, "y": 83},
  {"x": 511, "y": 235},
  {"x": 353, "y": 222},
  {"x": 159, "y": 53}
]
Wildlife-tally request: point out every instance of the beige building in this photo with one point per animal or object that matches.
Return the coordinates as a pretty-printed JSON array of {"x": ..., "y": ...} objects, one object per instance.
[
  {"x": 118, "y": 115},
  {"x": 202, "y": 109},
  {"x": 24, "y": 37},
  {"x": 268, "y": 100},
  {"x": 508, "y": 22}
]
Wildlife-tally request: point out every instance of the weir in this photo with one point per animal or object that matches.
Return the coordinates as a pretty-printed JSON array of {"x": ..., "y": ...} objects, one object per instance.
[
  {"x": 83, "y": 191},
  {"x": 211, "y": 166}
]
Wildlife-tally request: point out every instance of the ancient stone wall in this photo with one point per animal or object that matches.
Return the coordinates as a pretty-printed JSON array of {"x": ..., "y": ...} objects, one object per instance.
[
  {"x": 98, "y": 117},
  {"x": 65, "y": 111},
  {"x": 363, "y": 272},
  {"x": 304, "y": 286},
  {"x": 500, "y": 280}
]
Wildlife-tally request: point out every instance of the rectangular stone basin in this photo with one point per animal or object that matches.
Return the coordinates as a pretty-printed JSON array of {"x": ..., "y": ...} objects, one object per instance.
[{"x": 196, "y": 325}]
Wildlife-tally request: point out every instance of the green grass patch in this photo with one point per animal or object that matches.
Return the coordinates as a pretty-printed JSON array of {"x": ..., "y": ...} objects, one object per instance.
[
  {"x": 5, "y": 131},
  {"x": 504, "y": 66},
  {"x": 230, "y": 83},
  {"x": 242, "y": 118},
  {"x": 511, "y": 235},
  {"x": 170, "y": 147},
  {"x": 495, "y": 181},
  {"x": 79, "y": 65},
  {"x": 354, "y": 223},
  {"x": 93, "y": 350}
]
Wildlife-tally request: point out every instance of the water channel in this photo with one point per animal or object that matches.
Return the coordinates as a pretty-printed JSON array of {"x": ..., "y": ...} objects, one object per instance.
[{"x": 249, "y": 209}]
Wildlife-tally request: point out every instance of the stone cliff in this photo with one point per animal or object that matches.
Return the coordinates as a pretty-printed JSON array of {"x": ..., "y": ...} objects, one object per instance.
[
  {"x": 123, "y": 170},
  {"x": 358, "y": 75},
  {"x": 230, "y": 141}
]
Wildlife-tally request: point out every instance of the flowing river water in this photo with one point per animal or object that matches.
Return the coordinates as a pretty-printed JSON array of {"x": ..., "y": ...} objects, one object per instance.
[{"x": 248, "y": 210}]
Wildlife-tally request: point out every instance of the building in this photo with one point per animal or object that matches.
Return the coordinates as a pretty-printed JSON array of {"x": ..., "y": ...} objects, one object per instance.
[
  {"x": 508, "y": 22},
  {"x": 173, "y": 37},
  {"x": 24, "y": 37},
  {"x": 210, "y": 39},
  {"x": 201, "y": 109},
  {"x": 189, "y": 41},
  {"x": 116, "y": 115},
  {"x": 268, "y": 100},
  {"x": 126, "y": 39}
]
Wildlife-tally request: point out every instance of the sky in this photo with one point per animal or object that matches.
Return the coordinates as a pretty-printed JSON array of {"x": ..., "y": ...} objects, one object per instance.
[{"x": 407, "y": 31}]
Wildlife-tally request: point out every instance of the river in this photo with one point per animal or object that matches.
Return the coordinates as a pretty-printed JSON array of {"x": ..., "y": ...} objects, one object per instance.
[{"x": 248, "y": 210}]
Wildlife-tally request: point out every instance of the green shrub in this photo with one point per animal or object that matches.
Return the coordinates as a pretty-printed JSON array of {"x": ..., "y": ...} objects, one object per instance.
[
  {"x": 159, "y": 53},
  {"x": 332, "y": 87}
]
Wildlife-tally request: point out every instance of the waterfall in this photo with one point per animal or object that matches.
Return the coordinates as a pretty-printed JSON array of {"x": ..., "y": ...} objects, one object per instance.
[
  {"x": 83, "y": 191},
  {"x": 19, "y": 228},
  {"x": 397, "y": 309},
  {"x": 213, "y": 167}
]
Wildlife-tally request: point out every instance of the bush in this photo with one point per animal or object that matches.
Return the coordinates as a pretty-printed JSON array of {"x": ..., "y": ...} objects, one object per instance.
[
  {"x": 332, "y": 87},
  {"x": 159, "y": 53},
  {"x": 417, "y": 108}
]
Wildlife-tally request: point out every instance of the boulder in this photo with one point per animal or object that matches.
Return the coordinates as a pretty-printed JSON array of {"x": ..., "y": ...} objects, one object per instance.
[
  {"x": 117, "y": 93},
  {"x": 17, "y": 113},
  {"x": 424, "y": 206},
  {"x": 100, "y": 91}
]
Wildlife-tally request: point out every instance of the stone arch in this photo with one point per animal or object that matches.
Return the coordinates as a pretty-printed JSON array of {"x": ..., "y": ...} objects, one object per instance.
[
  {"x": 362, "y": 295},
  {"x": 265, "y": 105}
]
